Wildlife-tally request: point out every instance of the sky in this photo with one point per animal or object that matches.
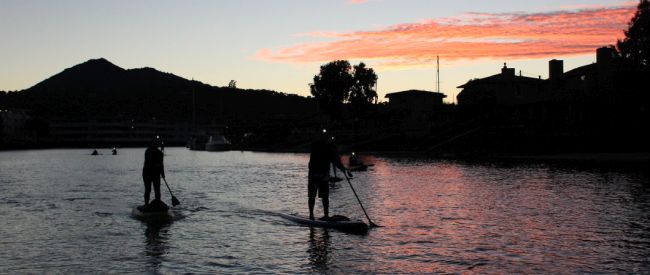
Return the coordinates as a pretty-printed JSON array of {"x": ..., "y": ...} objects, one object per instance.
[{"x": 281, "y": 44}]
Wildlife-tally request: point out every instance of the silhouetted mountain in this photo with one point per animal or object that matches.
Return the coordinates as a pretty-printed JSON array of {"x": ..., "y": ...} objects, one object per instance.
[
  {"x": 94, "y": 73},
  {"x": 99, "y": 89}
]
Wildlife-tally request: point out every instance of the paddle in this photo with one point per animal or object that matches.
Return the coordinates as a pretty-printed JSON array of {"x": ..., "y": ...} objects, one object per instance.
[
  {"x": 372, "y": 224},
  {"x": 174, "y": 199}
]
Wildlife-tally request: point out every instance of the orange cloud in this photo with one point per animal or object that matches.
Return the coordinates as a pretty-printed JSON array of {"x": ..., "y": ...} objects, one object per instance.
[{"x": 471, "y": 36}]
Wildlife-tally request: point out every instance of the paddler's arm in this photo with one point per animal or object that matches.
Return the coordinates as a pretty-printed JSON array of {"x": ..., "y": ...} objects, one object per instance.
[
  {"x": 336, "y": 160},
  {"x": 162, "y": 166}
]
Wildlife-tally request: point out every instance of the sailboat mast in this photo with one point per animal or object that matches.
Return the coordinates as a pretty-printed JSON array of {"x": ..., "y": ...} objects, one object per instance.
[
  {"x": 193, "y": 107},
  {"x": 438, "y": 74}
]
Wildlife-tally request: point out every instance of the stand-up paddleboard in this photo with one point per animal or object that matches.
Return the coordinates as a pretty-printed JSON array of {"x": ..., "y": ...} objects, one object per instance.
[
  {"x": 155, "y": 211},
  {"x": 338, "y": 222}
]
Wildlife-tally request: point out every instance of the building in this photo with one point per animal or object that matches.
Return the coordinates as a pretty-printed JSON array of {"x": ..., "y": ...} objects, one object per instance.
[
  {"x": 114, "y": 132},
  {"x": 609, "y": 78},
  {"x": 596, "y": 107},
  {"x": 416, "y": 112},
  {"x": 14, "y": 126},
  {"x": 416, "y": 100},
  {"x": 505, "y": 88}
]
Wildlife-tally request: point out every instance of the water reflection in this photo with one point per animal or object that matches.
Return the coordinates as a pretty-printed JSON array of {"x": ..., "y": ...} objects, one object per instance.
[
  {"x": 319, "y": 248},
  {"x": 437, "y": 217},
  {"x": 156, "y": 244}
]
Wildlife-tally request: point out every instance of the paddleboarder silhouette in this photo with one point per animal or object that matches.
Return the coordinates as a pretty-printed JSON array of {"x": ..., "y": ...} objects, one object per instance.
[
  {"x": 152, "y": 171},
  {"x": 323, "y": 153}
]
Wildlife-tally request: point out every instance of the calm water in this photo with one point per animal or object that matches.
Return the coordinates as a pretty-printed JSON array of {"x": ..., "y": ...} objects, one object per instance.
[{"x": 64, "y": 211}]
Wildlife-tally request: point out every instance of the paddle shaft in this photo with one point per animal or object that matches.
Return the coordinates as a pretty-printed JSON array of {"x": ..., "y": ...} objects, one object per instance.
[
  {"x": 170, "y": 191},
  {"x": 361, "y": 204},
  {"x": 174, "y": 199}
]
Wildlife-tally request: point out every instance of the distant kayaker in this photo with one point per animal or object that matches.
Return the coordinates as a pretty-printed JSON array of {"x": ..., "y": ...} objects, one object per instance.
[
  {"x": 114, "y": 151},
  {"x": 153, "y": 170},
  {"x": 322, "y": 154},
  {"x": 354, "y": 160}
]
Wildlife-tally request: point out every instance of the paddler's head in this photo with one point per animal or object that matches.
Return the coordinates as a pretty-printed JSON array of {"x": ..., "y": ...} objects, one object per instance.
[{"x": 155, "y": 142}]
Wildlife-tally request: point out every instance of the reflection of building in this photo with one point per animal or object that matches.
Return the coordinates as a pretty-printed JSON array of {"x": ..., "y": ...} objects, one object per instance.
[{"x": 416, "y": 100}]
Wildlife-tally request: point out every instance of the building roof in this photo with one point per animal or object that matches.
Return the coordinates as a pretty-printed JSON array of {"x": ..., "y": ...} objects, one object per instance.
[
  {"x": 498, "y": 78},
  {"x": 416, "y": 92},
  {"x": 582, "y": 70}
]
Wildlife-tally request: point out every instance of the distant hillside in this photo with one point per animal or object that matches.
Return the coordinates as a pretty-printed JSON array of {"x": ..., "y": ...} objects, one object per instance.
[{"x": 99, "y": 89}]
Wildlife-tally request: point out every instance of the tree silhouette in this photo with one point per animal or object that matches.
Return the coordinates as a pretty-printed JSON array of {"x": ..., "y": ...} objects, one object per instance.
[
  {"x": 636, "y": 45},
  {"x": 331, "y": 86},
  {"x": 232, "y": 84},
  {"x": 362, "y": 92},
  {"x": 338, "y": 82}
]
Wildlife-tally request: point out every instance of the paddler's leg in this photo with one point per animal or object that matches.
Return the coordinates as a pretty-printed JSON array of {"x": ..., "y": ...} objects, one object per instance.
[
  {"x": 324, "y": 194},
  {"x": 156, "y": 187},
  {"x": 326, "y": 207},
  {"x": 147, "y": 189},
  {"x": 311, "y": 193},
  {"x": 311, "y": 202}
]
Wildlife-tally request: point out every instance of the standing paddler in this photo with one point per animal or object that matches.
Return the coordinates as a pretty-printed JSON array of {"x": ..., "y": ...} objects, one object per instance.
[
  {"x": 323, "y": 153},
  {"x": 151, "y": 172}
]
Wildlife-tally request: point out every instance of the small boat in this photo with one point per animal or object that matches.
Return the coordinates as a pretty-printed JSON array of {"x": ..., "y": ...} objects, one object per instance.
[
  {"x": 337, "y": 222},
  {"x": 357, "y": 168},
  {"x": 197, "y": 142},
  {"x": 217, "y": 143},
  {"x": 354, "y": 164}
]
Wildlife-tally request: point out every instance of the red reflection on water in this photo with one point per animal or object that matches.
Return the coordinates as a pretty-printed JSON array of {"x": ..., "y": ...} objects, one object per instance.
[{"x": 412, "y": 199}]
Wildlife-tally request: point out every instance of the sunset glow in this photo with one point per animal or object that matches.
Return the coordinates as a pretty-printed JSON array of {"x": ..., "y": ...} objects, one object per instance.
[
  {"x": 279, "y": 45},
  {"x": 470, "y": 36}
]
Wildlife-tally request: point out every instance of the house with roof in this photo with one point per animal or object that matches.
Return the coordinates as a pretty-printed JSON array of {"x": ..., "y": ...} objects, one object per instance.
[
  {"x": 607, "y": 78},
  {"x": 505, "y": 88},
  {"x": 416, "y": 100},
  {"x": 598, "y": 105},
  {"x": 610, "y": 78},
  {"x": 417, "y": 111}
]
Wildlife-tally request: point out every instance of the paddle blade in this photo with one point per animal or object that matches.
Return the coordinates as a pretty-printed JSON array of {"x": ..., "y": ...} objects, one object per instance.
[{"x": 175, "y": 201}]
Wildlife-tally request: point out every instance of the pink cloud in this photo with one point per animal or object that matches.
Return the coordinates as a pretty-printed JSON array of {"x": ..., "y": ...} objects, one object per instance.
[
  {"x": 357, "y": 1},
  {"x": 470, "y": 36}
]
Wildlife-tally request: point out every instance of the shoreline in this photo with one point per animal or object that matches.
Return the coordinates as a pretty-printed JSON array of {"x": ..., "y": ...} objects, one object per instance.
[
  {"x": 592, "y": 157},
  {"x": 636, "y": 157}
]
